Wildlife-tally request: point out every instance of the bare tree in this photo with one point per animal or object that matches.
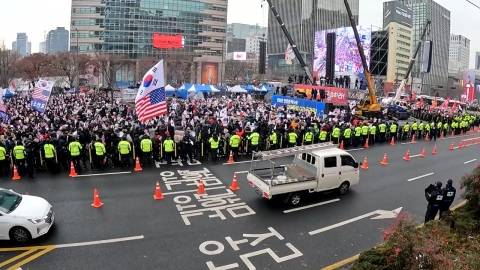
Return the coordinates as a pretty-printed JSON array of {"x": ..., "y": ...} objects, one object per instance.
[
  {"x": 108, "y": 65},
  {"x": 236, "y": 70},
  {"x": 8, "y": 59},
  {"x": 178, "y": 71},
  {"x": 70, "y": 65},
  {"x": 34, "y": 67},
  {"x": 144, "y": 65}
]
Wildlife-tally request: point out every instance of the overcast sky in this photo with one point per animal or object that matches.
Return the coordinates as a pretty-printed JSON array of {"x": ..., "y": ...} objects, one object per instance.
[{"x": 37, "y": 16}]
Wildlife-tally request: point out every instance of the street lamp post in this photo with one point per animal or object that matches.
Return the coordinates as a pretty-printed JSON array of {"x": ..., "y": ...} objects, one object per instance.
[
  {"x": 78, "y": 63},
  {"x": 396, "y": 76}
]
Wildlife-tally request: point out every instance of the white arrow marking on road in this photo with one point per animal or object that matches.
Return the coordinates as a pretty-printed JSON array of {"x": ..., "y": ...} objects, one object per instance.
[
  {"x": 466, "y": 162},
  {"x": 381, "y": 214}
]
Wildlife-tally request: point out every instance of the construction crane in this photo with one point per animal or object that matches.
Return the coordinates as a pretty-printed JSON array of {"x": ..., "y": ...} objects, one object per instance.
[
  {"x": 290, "y": 40},
  {"x": 401, "y": 88},
  {"x": 370, "y": 106}
]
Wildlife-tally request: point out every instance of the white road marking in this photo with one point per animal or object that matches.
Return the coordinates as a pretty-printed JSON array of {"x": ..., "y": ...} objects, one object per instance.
[
  {"x": 419, "y": 177},
  {"x": 189, "y": 191},
  {"x": 241, "y": 172},
  {"x": 416, "y": 155},
  {"x": 108, "y": 241},
  {"x": 466, "y": 162},
  {"x": 356, "y": 149},
  {"x": 410, "y": 142},
  {"x": 100, "y": 174},
  {"x": 310, "y": 206},
  {"x": 237, "y": 162}
]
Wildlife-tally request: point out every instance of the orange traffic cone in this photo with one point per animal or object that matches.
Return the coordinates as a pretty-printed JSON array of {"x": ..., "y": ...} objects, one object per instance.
[
  {"x": 366, "y": 144},
  {"x": 16, "y": 176},
  {"x": 234, "y": 185},
  {"x": 434, "y": 151},
  {"x": 365, "y": 164},
  {"x": 96, "y": 199},
  {"x": 230, "y": 158},
  {"x": 426, "y": 137},
  {"x": 442, "y": 135},
  {"x": 452, "y": 147},
  {"x": 137, "y": 165},
  {"x": 341, "y": 145},
  {"x": 471, "y": 142},
  {"x": 460, "y": 145},
  {"x": 478, "y": 141},
  {"x": 413, "y": 138},
  {"x": 201, "y": 188},
  {"x": 407, "y": 156},
  {"x": 158, "y": 192},
  {"x": 423, "y": 154},
  {"x": 26, "y": 193},
  {"x": 73, "y": 173},
  {"x": 461, "y": 132},
  {"x": 384, "y": 160},
  {"x": 465, "y": 143},
  {"x": 453, "y": 134},
  {"x": 392, "y": 141}
]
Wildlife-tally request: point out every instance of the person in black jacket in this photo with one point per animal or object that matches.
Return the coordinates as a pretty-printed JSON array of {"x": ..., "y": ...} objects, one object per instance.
[
  {"x": 448, "y": 196},
  {"x": 434, "y": 196}
]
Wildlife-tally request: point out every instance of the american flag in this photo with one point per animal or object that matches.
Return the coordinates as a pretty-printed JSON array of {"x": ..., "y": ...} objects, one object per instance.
[
  {"x": 40, "y": 94},
  {"x": 151, "y": 105}
]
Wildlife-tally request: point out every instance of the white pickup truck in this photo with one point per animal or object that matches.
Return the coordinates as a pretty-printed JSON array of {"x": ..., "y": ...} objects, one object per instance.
[{"x": 315, "y": 168}]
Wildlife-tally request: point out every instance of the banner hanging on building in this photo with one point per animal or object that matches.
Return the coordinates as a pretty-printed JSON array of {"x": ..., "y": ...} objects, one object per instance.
[{"x": 332, "y": 94}]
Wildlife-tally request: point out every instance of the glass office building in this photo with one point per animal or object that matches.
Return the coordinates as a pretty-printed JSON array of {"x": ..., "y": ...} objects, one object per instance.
[
  {"x": 436, "y": 80},
  {"x": 302, "y": 19},
  {"x": 126, "y": 27}
]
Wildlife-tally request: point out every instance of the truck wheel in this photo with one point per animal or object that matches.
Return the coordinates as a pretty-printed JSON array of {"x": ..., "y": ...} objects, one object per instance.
[
  {"x": 294, "y": 199},
  {"x": 343, "y": 189}
]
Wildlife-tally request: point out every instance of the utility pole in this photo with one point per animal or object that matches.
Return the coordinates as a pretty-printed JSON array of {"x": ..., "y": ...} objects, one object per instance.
[{"x": 78, "y": 63}]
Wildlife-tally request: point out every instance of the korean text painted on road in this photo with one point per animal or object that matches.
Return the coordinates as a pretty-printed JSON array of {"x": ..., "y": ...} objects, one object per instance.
[
  {"x": 212, "y": 248},
  {"x": 218, "y": 200}
]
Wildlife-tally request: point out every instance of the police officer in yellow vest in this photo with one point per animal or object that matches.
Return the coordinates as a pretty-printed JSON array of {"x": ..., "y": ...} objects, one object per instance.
[
  {"x": 365, "y": 130},
  {"x": 347, "y": 135},
  {"x": 124, "y": 148},
  {"x": 308, "y": 137},
  {"x": 19, "y": 156},
  {"x": 323, "y": 136},
  {"x": 49, "y": 154},
  {"x": 100, "y": 152},
  {"x": 393, "y": 130},
  {"x": 3, "y": 161},
  {"x": 414, "y": 129},
  {"x": 214, "y": 142},
  {"x": 382, "y": 132},
  {"x": 254, "y": 139},
  {"x": 168, "y": 148},
  {"x": 146, "y": 147},
  {"x": 75, "y": 149},
  {"x": 336, "y": 135},
  {"x": 273, "y": 141},
  {"x": 358, "y": 136},
  {"x": 234, "y": 143},
  {"x": 406, "y": 131},
  {"x": 292, "y": 138}
]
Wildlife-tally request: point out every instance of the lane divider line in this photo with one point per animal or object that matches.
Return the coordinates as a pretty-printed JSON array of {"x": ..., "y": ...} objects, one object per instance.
[
  {"x": 241, "y": 172},
  {"x": 100, "y": 174},
  {"x": 310, "y": 206},
  {"x": 466, "y": 162},
  {"x": 18, "y": 257},
  {"x": 190, "y": 191},
  {"x": 420, "y": 177},
  {"x": 108, "y": 241},
  {"x": 31, "y": 258}
]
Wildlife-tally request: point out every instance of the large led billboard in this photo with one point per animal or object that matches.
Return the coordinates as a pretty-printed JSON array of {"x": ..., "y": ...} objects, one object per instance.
[{"x": 347, "y": 58}]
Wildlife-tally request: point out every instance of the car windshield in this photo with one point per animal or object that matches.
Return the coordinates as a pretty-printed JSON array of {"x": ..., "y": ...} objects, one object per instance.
[{"x": 9, "y": 201}]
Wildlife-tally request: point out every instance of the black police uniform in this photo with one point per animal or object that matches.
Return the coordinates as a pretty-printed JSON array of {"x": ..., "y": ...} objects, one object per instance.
[
  {"x": 435, "y": 200},
  {"x": 449, "y": 193}
]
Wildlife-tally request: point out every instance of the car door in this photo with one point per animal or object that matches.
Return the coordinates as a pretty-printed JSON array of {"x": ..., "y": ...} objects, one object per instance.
[
  {"x": 4, "y": 225},
  {"x": 330, "y": 175},
  {"x": 348, "y": 170}
]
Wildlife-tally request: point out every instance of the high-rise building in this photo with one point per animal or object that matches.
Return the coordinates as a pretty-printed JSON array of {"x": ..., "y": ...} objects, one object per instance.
[
  {"x": 22, "y": 45},
  {"x": 439, "y": 33},
  {"x": 243, "y": 31},
  {"x": 43, "y": 47},
  {"x": 127, "y": 27},
  {"x": 397, "y": 20},
  {"x": 459, "y": 56},
  {"x": 477, "y": 60},
  {"x": 57, "y": 40},
  {"x": 302, "y": 19}
]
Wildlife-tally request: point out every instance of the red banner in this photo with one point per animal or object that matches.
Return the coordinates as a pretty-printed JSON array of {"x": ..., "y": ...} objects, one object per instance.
[
  {"x": 167, "y": 42},
  {"x": 333, "y": 94}
]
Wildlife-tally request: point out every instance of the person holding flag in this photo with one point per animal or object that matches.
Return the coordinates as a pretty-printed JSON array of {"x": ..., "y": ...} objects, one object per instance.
[{"x": 151, "y": 100}]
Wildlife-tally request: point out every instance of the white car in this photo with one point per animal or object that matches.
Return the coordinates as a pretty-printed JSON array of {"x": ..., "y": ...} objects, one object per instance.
[{"x": 23, "y": 217}]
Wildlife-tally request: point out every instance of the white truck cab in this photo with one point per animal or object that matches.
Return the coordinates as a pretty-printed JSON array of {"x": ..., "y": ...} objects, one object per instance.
[{"x": 315, "y": 168}]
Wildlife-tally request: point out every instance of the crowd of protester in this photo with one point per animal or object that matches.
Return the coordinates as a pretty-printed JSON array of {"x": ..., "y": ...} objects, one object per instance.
[{"x": 91, "y": 132}]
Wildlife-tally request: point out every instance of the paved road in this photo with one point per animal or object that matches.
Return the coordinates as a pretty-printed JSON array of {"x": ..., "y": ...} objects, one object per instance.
[{"x": 134, "y": 231}]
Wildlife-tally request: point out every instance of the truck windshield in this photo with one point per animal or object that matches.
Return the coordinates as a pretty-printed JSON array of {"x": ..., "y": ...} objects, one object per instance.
[{"x": 9, "y": 201}]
